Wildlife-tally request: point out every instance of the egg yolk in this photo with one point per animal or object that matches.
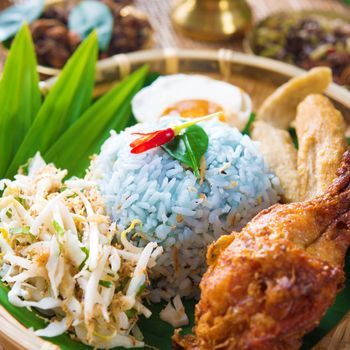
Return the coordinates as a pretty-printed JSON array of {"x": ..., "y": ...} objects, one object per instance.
[{"x": 194, "y": 108}]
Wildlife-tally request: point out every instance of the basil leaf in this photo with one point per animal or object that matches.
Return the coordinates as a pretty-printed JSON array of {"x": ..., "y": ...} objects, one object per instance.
[
  {"x": 89, "y": 15},
  {"x": 177, "y": 149},
  {"x": 12, "y": 19},
  {"x": 189, "y": 147},
  {"x": 193, "y": 161}
]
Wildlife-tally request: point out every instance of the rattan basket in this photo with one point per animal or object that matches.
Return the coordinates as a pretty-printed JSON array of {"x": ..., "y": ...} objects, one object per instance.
[{"x": 258, "y": 76}]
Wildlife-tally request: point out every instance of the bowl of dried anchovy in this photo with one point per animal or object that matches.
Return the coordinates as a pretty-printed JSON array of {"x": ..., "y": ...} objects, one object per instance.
[{"x": 59, "y": 26}]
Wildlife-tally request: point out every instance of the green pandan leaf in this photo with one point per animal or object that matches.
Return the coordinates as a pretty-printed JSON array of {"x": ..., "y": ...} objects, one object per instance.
[
  {"x": 83, "y": 138},
  {"x": 12, "y": 18},
  {"x": 70, "y": 96},
  {"x": 20, "y": 98},
  {"x": 92, "y": 15}
]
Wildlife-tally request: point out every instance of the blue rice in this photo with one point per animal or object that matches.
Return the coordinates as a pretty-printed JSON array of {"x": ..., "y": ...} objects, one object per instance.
[{"x": 177, "y": 211}]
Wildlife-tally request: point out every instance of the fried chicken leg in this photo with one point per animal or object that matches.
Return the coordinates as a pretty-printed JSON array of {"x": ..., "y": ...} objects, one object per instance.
[{"x": 270, "y": 284}]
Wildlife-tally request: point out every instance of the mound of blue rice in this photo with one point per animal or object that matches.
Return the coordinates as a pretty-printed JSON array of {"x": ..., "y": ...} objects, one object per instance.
[{"x": 176, "y": 209}]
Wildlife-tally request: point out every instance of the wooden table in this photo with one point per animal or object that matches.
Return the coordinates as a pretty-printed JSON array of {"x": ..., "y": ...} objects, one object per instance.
[{"x": 165, "y": 35}]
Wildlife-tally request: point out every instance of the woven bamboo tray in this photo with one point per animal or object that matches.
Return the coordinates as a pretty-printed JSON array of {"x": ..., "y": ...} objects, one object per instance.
[{"x": 257, "y": 76}]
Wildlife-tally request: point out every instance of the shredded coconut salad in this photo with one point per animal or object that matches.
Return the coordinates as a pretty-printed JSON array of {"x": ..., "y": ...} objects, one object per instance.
[{"x": 62, "y": 255}]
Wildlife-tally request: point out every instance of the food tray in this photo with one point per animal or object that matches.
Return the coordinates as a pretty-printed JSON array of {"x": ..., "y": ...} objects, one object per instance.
[{"x": 256, "y": 75}]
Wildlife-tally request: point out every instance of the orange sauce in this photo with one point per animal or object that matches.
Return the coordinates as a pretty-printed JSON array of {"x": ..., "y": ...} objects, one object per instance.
[{"x": 194, "y": 108}]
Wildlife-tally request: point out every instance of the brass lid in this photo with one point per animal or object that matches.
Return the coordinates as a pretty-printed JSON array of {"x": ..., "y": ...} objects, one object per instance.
[{"x": 212, "y": 20}]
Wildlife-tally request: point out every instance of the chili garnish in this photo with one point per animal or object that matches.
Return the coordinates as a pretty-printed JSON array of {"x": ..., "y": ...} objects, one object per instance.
[{"x": 158, "y": 138}]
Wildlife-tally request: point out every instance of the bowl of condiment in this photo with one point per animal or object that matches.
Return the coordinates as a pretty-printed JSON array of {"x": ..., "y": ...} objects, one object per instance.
[
  {"x": 61, "y": 25},
  {"x": 306, "y": 39}
]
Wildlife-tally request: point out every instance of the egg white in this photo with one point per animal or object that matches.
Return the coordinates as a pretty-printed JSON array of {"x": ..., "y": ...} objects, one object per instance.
[{"x": 150, "y": 102}]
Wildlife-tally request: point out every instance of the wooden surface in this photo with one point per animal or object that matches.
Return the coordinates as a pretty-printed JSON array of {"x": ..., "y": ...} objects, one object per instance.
[{"x": 165, "y": 35}]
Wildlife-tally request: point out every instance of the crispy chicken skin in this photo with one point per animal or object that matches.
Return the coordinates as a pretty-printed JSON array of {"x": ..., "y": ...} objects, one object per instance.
[{"x": 270, "y": 284}]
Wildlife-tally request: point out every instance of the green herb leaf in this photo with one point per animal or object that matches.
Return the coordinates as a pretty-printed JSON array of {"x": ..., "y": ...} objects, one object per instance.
[
  {"x": 70, "y": 96},
  {"x": 82, "y": 139},
  {"x": 188, "y": 148},
  {"x": 86, "y": 251},
  {"x": 20, "y": 230},
  {"x": 141, "y": 289},
  {"x": 12, "y": 18},
  {"x": 89, "y": 15},
  {"x": 123, "y": 284},
  {"x": 131, "y": 313},
  {"x": 87, "y": 254},
  {"x": 58, "y": 228},
  {"x": 19, "y": 96},
  {"x": 246, "y": 130},
  {"x": 194, "y": 162},
  {"x": 21, "y": 201},
  {"x": 106, "y": 284}
]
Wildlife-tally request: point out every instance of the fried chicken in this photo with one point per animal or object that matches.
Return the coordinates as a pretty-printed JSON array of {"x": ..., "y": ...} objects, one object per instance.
[{"x": 270, "y": 284}]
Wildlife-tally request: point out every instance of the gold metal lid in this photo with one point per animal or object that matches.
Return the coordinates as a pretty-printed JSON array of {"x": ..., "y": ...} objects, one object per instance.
[{"x": 212, "y": 20}]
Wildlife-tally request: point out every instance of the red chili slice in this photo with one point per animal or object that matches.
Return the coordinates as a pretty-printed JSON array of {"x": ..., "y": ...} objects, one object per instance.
[{"x": 151, "y": 140}]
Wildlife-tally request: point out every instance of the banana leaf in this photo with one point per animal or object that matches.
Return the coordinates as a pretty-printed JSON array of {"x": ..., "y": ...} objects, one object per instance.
[
  {"x": 334, "y": 315},
  {"x": 157, "y": 333}
]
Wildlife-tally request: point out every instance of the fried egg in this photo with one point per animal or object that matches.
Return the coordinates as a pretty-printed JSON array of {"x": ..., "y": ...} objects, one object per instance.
[{"x": 192, "y": 96}]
